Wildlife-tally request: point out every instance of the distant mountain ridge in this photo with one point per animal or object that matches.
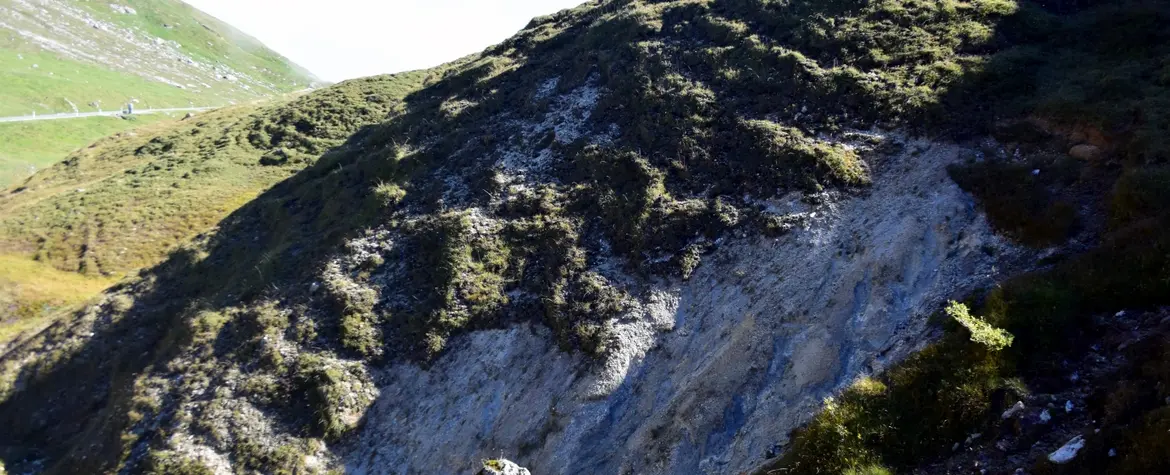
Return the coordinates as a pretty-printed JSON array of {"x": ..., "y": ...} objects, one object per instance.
[{"x": 72, "y": 55}]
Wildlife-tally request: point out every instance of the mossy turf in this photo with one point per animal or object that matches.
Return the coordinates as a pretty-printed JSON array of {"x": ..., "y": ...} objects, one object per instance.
[{"x": 703, "y": 108}]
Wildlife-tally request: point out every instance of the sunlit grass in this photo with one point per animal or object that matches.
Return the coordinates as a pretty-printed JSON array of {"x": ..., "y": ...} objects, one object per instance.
[
  {"x": 33, "y": 293},
  {"x": 32, "y": 146}
]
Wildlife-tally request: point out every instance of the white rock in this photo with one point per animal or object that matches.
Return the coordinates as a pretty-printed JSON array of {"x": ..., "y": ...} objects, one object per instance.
[
  {"x": 1045, "y": 416},
  {"x": 1068, "y": 451},
  {"x": 1068, "y": 406},
  {"x": 125, "y": 10},
  {"x": 1012, "y": 411},
  {"x": 503, "y": 467},
  {"x": 1112, "y": 452},
  {"x": 1119, "y": 314},
  {"x": 1035, "y": 172}
]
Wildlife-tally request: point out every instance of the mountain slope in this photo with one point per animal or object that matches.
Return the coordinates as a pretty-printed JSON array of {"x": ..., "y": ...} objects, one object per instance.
[
  {"x": 69, "y": 56},
  {"x": 38, "y": 144},
  {"x": 124, "y": 202},
  {"x": 645, "y": 237},
  {"x": 64, "y": 56}
]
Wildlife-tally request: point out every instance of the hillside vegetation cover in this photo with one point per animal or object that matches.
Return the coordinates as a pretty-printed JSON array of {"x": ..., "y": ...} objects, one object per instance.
[
  {"x": 32, "y": 146},
  {"x": 124, "y": 202},
  {"x": 59, "y": 54},
  {"x": 451, "y": 215}
]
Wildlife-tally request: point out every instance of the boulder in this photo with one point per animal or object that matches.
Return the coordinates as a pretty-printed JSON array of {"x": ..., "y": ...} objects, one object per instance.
[
  {"x": 1085, "y": 152},
  {"x": 502, "y": 467},
  {"x": 1012, "y": 411}
]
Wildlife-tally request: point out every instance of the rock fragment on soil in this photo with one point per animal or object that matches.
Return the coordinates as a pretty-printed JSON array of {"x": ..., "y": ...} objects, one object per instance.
[{"x": 1068, "y": 451}]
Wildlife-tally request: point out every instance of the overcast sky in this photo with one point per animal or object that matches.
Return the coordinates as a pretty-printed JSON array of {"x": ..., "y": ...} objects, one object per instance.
[{"x": 343, "y": 39}]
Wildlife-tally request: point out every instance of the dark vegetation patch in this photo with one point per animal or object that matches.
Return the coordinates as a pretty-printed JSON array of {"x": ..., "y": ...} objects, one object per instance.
[{"x": 1060, "y": 63}]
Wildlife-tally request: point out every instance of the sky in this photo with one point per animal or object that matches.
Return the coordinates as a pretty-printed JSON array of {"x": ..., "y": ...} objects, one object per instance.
[{"x": 345, "y": 39}]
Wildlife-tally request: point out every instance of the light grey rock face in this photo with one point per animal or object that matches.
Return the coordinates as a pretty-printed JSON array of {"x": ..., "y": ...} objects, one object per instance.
[{"x": 707, "y": 375}]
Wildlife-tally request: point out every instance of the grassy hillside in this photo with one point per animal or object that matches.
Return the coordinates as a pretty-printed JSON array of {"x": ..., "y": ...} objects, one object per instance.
[
  {"x": 449, "y": 215},
  {"x": 62, "y": 54},
  {"x": 32, "y": 146},
  {"x": 32, "y": 293},
  {"x": 125, "y": 201}
]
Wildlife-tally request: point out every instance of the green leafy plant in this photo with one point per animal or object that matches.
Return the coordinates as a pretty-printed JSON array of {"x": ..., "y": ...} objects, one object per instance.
[{"x": 981, "y": 331}]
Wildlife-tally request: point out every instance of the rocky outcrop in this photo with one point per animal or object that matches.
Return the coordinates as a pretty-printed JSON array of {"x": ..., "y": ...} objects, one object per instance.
[{"x": 707, "y": 375}]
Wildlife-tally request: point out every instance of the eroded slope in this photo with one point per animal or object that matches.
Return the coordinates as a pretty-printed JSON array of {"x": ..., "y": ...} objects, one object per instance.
[{"x": 630, "y": 183}]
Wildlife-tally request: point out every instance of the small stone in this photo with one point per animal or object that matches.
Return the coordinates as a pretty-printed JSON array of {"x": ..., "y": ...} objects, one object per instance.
[
  {"x": 1012, "y": 411},
  {"x": 1085, "y": 152},
  {"x": 1035, "y": 172},
  {"x": 1074, "y": 377},
  {"x": 1068, "y": 451},
  {"x": 955, "y": 447},
  {"x": 1119, "y": 314},
  {"x": 1068, "y": 406},
  {"x": 1045, "y": 416},
  {"x": 1112, "y": 452}
]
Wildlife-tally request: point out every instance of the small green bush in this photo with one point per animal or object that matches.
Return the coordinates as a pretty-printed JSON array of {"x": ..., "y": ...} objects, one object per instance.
[
  {"x": 170, "y": 463},
  {"x": 1141, "y": 192},
  {"x": 981, "y": 332},
  {"x": 1017, "y": 203},
  {"x": 388, "y": 194},
  {"x": 361, "y": 334},
  {"x": 869, "y": 470},
  {"x": 324, "y": 388}
]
